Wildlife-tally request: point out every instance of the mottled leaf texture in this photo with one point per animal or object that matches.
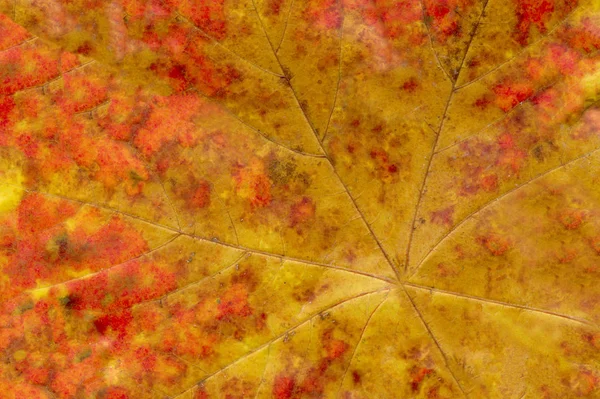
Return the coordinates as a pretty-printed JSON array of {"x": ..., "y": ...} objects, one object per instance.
[{"x": 299, "y": 199}]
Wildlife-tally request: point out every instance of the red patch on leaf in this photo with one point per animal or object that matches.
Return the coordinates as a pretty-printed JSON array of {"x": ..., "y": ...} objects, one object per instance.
[
  {"x": 536, "y": 13},
  {"x": 117, "y": 322},
  {"x": 508, "y": 95},
  {"x": 116, "y": 393},
  {"x": 283, "y": 387},
  {"x": 417, "y": 377}
]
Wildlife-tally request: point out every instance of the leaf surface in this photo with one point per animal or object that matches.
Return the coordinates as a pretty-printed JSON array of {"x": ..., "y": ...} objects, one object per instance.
[{"x": 299, "y": 199}]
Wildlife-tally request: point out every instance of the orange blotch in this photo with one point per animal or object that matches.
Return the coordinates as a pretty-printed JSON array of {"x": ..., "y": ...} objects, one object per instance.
[{"x": 234, "y": 302}]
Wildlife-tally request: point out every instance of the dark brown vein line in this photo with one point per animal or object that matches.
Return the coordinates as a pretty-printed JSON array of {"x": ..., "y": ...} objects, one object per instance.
[
  {"x": 499, "y": 303},
  {"x": 272, "y": 340},
  {"x": 213, "y": 241},
  {"x": 360, "y": 338},
  {"x": 542, "y": 38},
  {"x": 414, "y": 306},
  {"x": 490, "y": 203},
  {"x": 314, "y": 131},
  {"x": 434, "y": 148}
]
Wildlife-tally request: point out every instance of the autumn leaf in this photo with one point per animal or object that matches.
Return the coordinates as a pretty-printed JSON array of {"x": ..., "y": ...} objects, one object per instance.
[{"x": 299, "y": 199}]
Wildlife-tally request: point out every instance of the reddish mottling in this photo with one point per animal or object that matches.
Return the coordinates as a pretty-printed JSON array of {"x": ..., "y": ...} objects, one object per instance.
[
  {"x": 417, "y": 377},
  {"x": 489, "y": 183},
  {"x": 410, "y": 85},
  {"x": 323, "y": 14},
  {"x": 595, "y": 244},
  {"x": 564, "y": 58},
  {"x": 572, "y": 218},
  {"x": 355, "y": 377},
  {"x": 302, "y": 211},
  {"x": 587, "y": 37},
  {"x": 201, "y": 394},
  {"x": 445, "y": 18},
  {"x": 117, "y": 322},
  {"x": 283, "y": 387},
  {"x": 275, "y": 6},
  {"x": 495, "y": 244},
  {"x": 443, "y": 217},
  {"x": 585, "y": 382},
  {"x": 261, "y": 190},
  {"x": 146, "y": 358},
  {"x": 200, "y": 195},
  {"x": 37, "y": 213},
  {"x": 532, "y": 13},
  {"x": 508, "y": 95},
  {"x": 336, "y": 348},
  {"x": 506, "y": 141},
  {"x": 12, "y": 34},
  {"x": 391, "y": 19},
  {"x": 482, "y": 102},
  {"x": 234, "y": 302},
  {"x": 116, "y": 393},
  {"x": 7, "y": 104},
  {"x": 208, "y": 15}
]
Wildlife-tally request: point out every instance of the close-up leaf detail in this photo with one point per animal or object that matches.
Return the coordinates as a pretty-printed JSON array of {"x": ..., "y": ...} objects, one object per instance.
[{"x": 299, "y": 199}]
